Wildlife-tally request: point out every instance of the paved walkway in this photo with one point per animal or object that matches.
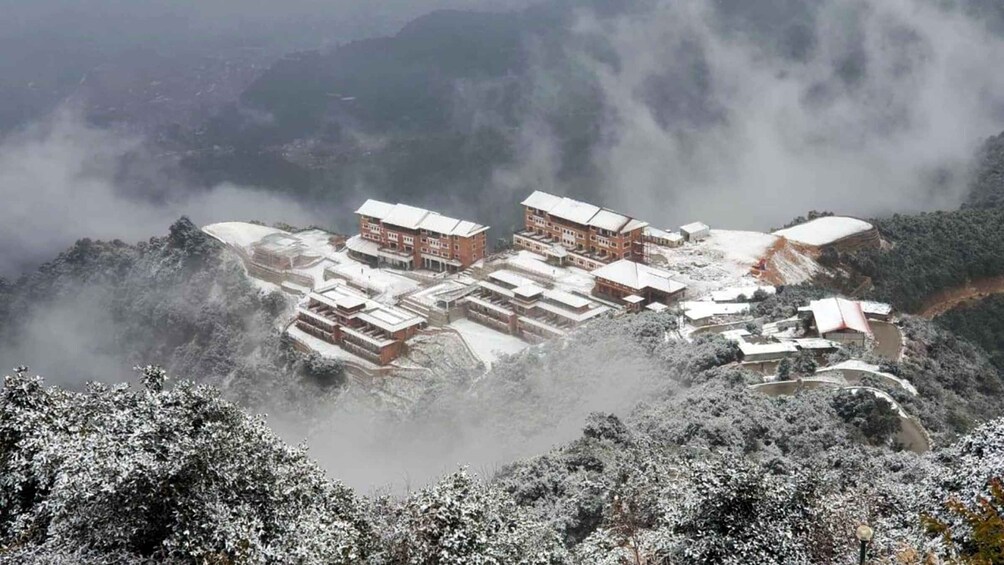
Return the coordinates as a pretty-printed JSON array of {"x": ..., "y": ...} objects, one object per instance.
[{"x": 888, "y": 340}]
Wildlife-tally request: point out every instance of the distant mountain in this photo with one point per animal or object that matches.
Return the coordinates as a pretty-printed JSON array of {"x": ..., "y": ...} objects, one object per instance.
[{"x": 426, "y": 116}]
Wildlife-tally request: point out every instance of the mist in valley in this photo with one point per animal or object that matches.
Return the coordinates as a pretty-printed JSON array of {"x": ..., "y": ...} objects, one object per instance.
[{"x": 740, "y": 114}]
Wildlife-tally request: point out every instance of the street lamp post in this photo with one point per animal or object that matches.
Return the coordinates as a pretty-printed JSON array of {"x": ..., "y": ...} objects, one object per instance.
[{"x": 864, "y": 533}]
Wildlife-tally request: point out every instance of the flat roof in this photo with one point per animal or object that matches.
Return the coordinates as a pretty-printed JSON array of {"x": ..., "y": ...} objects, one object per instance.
[
  {"x": 496, "y": 288},
  {"x": 571, "y": 314},
  {"x": 528, "y": 291},
  {"x": 657, "y": 307},
  {"x": 633, "y": 299},
  {"x": 510, "y": 277},
  {"x": 694, "y": 227},
  {"x": 766, "y": 348},
  {"x": 567, "y": 298}
]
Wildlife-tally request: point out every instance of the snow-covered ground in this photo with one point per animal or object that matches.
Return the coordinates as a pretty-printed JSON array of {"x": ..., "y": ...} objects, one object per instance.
[
  {"x": 326, "y": 349},
  {"x": 384, "y": 284},
  {"x": 823, "y": 231},
  {"x": 723, "y": 260},
  {"x": 569, "y": 279},
  {"x": 239, "y": 234},
  {"x": 487, "y": 343}
]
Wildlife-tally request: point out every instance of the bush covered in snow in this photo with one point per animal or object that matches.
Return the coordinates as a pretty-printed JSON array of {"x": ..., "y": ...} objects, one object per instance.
[{"x": 169, "y": 474}]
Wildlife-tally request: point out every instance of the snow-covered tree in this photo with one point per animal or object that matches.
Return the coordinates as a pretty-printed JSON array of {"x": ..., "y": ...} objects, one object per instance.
[{"x": 169, "y": 474}]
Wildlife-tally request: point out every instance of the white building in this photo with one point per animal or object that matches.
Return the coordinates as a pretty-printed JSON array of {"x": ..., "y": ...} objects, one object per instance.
[{"x": 695, "y": 231}]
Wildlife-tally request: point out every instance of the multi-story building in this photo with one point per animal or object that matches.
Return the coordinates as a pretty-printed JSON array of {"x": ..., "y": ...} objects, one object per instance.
[
  {"x": 572, "y": 232},
  {"x": 516, "y": 305},
  {"x": 339, "y": 315},
  {"x": 406, "y": 237},
  {"x": 636, "y": 285}
]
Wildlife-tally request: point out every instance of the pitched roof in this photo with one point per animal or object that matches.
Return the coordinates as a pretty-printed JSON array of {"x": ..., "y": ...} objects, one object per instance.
[
  {"x": 638, "y": 276},
  {"x": 411, "y": 217},
  {"x": 582, "y": 212},
  {"x": 835, "y": 314},
  {"x": 406, "y": 216},
  {"x": 375, "y": 209}
]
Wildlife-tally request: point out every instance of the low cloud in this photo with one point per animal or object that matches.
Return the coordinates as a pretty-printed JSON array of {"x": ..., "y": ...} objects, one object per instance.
[
  {"x": 746, "y": 114},
  {"x": 63, "y": 180}
]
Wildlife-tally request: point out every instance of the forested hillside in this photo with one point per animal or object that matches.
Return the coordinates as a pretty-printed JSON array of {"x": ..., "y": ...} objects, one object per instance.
[
  {"x": 180, "y": 301},
  {"x": 933, "y": 252},
  {"x": 716, "y": 474},
  {"x": 987, "y": 187},
  {"x": 982, "y": 323}
]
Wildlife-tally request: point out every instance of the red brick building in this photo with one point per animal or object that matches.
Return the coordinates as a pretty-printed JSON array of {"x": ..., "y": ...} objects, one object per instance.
[
  {"x": 636, "y": 285},
  {"x": 510, "y": 303},
  {"x": 406, "y": 237},
  {"x": 576, "y": 233},
  {"x": 340, "y": 316}
]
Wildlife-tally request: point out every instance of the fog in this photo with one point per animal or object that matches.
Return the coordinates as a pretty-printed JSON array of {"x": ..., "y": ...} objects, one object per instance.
[
  {"x": 747, "y": 114},
  {"x": 64, "y": 180},
  {"x": 742, "y": 114}
]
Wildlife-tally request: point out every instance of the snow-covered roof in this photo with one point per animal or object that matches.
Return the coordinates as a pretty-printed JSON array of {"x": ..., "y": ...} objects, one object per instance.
[
  {"x": 835, "y": 314},
  {"x": 359, "y": 245},
  {"x": 528, "y": 291},
  {"x": 633, "y": 225},
  {"x": 657, "y": 307},
  {"x": 567, "y": 298},
  {"x": 337, "y": 295},
  {"x": 411, "y": 217},
  {"x": 633, "y": 299},
  {"x": 438, "y": 223},
  {"x": 405, "y": 216},
  {"x": 541, "y": 201},
  {"x": 466, "y": 229},
  {"x": 582, "y": 212},
  {"x": 574, "y": 211},
  {"x": 239, "y": 234},
  {"x": 496, "y": 289},
  {"x": 766, "y": 348},
  {"x": 510, "y": 278},
  {"x": 877, "y": 308},
  {"x": 826, "y": 230},
  {"x": 736, "y": 335},
  {"x": 704, "y": 309},
  {"x": 573, "y": 315},
  {"x": 638, "y": 276},
  {"x": 607, "y": 220},
  {"x": 656, "y": 233},
  {"x": 375, "y": 209},
  {"x": 694, "y": 227},
  {"x": 390, "y": 319}
]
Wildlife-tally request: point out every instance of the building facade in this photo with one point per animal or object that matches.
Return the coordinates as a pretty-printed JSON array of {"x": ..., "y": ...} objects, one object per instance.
[
  {"x": 626, "y": 281},
  {"x": 407, "y": 237},
  {"x": 340, "y": 316},
  {"x": 576, "y": 233},
  {"x": 510, "y": 303}
]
